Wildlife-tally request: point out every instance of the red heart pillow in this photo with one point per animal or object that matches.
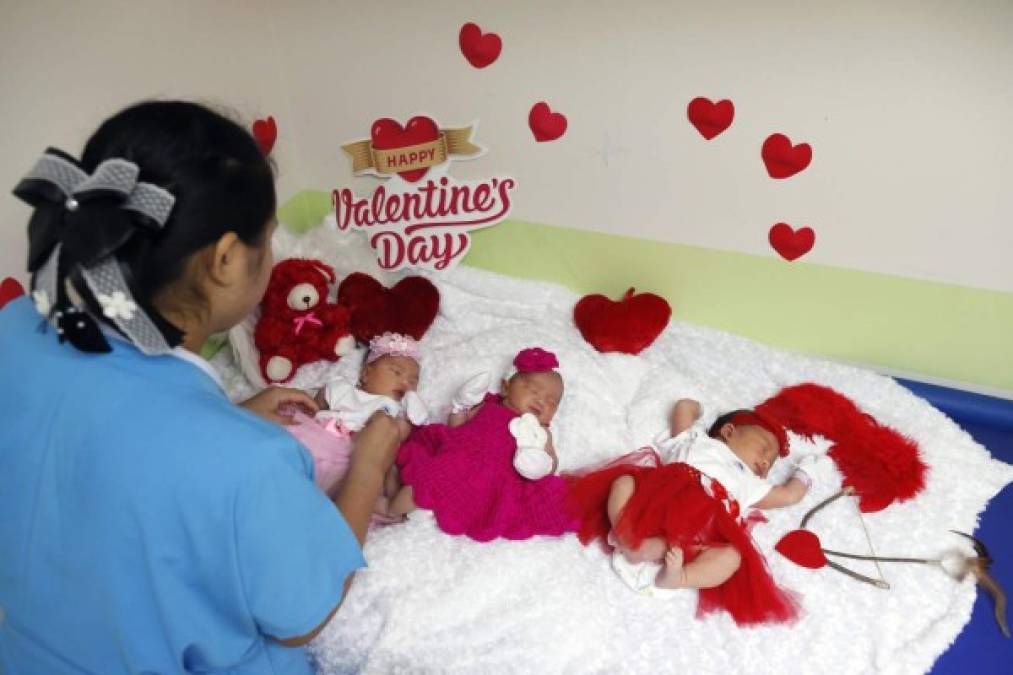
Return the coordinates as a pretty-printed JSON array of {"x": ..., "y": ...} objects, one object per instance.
[
  {"x": 408, "y": 307},
  {"x": 10, "y": 289},
  {"x": 626, "y": 326}
]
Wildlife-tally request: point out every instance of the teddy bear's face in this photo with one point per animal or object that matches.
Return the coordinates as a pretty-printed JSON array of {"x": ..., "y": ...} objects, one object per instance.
[{"x": 303, "y": 297}]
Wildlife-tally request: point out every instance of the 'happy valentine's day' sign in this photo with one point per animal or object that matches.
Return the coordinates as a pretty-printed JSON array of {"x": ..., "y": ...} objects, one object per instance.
[{"x": 419, "y": 216}]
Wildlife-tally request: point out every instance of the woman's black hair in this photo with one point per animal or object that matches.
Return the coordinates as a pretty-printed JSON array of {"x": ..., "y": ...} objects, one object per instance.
[
  {"x": 715, "y": 429},
  {"x": 220, "y": 179}
]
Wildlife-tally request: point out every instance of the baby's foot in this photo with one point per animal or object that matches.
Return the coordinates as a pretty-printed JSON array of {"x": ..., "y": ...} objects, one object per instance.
[
  {"x": 651, "y": 549},
  {"x": 672, "y": 574}
]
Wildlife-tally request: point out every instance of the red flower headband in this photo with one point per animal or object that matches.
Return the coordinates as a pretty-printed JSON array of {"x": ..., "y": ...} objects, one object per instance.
[{"x": 535, "y": 360}]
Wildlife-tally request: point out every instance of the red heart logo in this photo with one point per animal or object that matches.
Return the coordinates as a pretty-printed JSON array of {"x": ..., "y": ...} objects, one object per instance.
[
  {"x": 388, "y": 134},
  {"x": 545, "y": 124},
  {"x": 480, "y": 50},
  {"x": 710, "y": 119},
  {"x": 408, "y": 307},
  {"x": 266, "y": 133},
  {"x": 626, "y": 326},
  {"x": 789, "y": 243},
  {"x": 10, "y": 288},
  {"x": 783, "y": 159},
  {"x": 802, "y": 547}
]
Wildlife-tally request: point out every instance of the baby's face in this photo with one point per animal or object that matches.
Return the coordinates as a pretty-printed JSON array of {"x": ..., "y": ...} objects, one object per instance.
[
  {"x": 535, "y": 393},
  {"x": 754, "y": 445},
  {"x": 391, "y": 376}
]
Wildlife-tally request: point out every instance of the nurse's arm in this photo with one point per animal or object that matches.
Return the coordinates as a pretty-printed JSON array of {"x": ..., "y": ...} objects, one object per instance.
[{"x": 374, "y": 450}]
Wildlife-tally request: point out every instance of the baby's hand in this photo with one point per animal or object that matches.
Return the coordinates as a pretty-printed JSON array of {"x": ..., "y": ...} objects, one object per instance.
[
  {"x": 531, "y": 458},
  {"x": 471, "y": 393},
  {"x": 685, "y": 412},
  {"x": 415, "y": 408}
]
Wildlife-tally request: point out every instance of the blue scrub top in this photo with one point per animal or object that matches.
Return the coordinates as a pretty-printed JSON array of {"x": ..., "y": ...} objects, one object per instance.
[{"x": 147, "y": 524}]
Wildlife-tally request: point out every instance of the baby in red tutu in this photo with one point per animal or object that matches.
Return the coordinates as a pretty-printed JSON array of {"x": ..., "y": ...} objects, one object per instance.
[
  {"x": 490, "y": 472},
  {"x": 676, "y": 519}
]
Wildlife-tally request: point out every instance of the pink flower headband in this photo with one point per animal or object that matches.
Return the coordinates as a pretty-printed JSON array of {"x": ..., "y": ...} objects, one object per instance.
[
  {"x": 393, "y": 344},
  {"x": 535, "y": 360}
]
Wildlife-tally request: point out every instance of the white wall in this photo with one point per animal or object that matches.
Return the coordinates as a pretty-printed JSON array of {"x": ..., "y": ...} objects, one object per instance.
[{"x": 906, "y": 104}]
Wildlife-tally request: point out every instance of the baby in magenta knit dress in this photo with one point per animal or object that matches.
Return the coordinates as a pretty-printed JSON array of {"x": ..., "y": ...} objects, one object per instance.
[{"x": 466, "y": 471}]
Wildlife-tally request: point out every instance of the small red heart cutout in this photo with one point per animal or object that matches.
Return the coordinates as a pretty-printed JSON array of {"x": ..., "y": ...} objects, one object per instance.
[
  {"x": 408, "y": 307},
  {"x": 10, "y": 289},
  {"x": 266, "y": 133},
  {"x": 545, "y": 124},
  {"x": 388, "y": 134},
  {"x": 480, "y": 50},
  {"x": 710, "y": 119},
  {"x": 803, "y": 548},
  {"x": 627, "y": 326},
  {"x": 791, "y": 244},
  {"x": 783, "y": 159}
]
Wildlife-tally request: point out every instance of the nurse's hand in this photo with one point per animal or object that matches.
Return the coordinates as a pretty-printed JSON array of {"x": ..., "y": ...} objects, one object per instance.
[{"x": 270, "y": 402}]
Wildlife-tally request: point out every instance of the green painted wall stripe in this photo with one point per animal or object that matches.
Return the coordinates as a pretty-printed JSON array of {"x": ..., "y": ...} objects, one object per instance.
[{"x": 941, "y": 330}]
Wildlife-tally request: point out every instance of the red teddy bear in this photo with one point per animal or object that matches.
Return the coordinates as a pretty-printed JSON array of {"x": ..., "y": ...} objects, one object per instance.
[{"x": 297, "y": 325}]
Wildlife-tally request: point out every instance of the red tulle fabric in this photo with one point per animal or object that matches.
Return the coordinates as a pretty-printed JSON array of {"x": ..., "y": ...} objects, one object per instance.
[{"x": 669, "y": 502}]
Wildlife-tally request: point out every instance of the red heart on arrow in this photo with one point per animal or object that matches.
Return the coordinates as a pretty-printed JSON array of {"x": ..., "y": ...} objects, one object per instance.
[
  {"x": 545, "y": 124},
  {"x": 710, "y": 119},
  {"x": 626, "y": 326},
  {"x": 388, "y": 134},
  {"x": 783, "y": 159},
  {"x": 10, "y": 288},
  {"x": 408, "y": 307},
  {"x": 802, "y": 547},
  {"x": 266, "y": 133},
  {"x": 480, "y": 50},
  {"x": 789, "y": 243}
]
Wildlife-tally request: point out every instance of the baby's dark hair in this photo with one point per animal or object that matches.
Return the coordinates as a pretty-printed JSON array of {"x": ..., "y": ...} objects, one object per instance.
[
  {"x": 715, "y": 429},
  {"x": 219, "y": 178}
]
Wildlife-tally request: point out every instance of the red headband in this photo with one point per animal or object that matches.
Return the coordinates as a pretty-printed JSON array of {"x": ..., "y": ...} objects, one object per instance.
[{"x": 747, "y": 417}]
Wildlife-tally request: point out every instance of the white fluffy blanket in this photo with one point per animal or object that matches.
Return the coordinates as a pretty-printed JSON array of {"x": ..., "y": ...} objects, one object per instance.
[{"x": 429, "y": 602}]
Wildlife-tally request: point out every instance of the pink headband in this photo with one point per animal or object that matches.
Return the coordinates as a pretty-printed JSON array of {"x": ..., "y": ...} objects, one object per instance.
[
  {"x": 393, "y": 344},
  {"x": 535, "y": 360}
]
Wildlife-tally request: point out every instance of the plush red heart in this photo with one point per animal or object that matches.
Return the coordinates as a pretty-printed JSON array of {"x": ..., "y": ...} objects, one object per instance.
[
  {"x": 480, "y": 50},
  {"x": 545, "y": 124},
  {"x": 388, "y": 134},
  {"x": 710, "y": 119},
  {"x": 802, "y": 547},
  {"x": 789, "y": 243},
  {"x": 628, "y": 325},
  {"x": 10, "y": 288},
  {"x": 266, "y": 133},
  {"x": 408, "y": 307},
  {"x": 783, "y": 159}
]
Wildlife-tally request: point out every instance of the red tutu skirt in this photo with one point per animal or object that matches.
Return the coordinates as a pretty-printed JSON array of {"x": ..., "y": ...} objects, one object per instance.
[{"x": 669, "y": 502}]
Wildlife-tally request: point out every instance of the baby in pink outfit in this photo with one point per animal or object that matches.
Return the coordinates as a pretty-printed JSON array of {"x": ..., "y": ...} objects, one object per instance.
[
  {"x": 386, "y": 385},
  {"x": 489, "y": 472}
]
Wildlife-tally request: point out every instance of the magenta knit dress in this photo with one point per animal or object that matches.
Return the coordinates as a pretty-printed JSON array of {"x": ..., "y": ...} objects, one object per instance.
[{"x": 465, "y": 475}]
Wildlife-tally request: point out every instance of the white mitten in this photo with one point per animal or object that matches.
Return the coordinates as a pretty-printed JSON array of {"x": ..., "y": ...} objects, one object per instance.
[
  {"x": 530, "y": 459},
  {"x": 415, "y": 408},
  {"x": 812, "y": 470},
  {"x": 471, "y": 392}
]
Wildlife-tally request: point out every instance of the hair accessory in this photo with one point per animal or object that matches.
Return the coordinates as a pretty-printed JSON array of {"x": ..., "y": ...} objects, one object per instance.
[
  {"x": 392, "y": 344},
  {"x": 62, "y": 194},
  {"x": 535, "y": 360},
  {"x": 750, "y": 417}
]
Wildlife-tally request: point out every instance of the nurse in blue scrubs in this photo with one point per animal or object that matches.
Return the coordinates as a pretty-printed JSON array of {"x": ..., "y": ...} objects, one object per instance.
[{"x": 148, "y": 524}]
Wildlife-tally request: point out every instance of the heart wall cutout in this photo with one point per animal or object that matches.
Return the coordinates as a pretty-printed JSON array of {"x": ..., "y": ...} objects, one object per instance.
[
  {"x": 10, "y": 289},
  {"x": 710, "y": 119},
  {"x": 545, "y": 124},
  {"x": 782, "y": 159},
  {"x": 629, "y": 325},
  {"x": 480, "y": 50},
  {"x": 265, "y": 132},
  {"x": 789, "y": 243},
  {"x": 408, "y": 307},
  {"x": 388, "y": 134}
]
